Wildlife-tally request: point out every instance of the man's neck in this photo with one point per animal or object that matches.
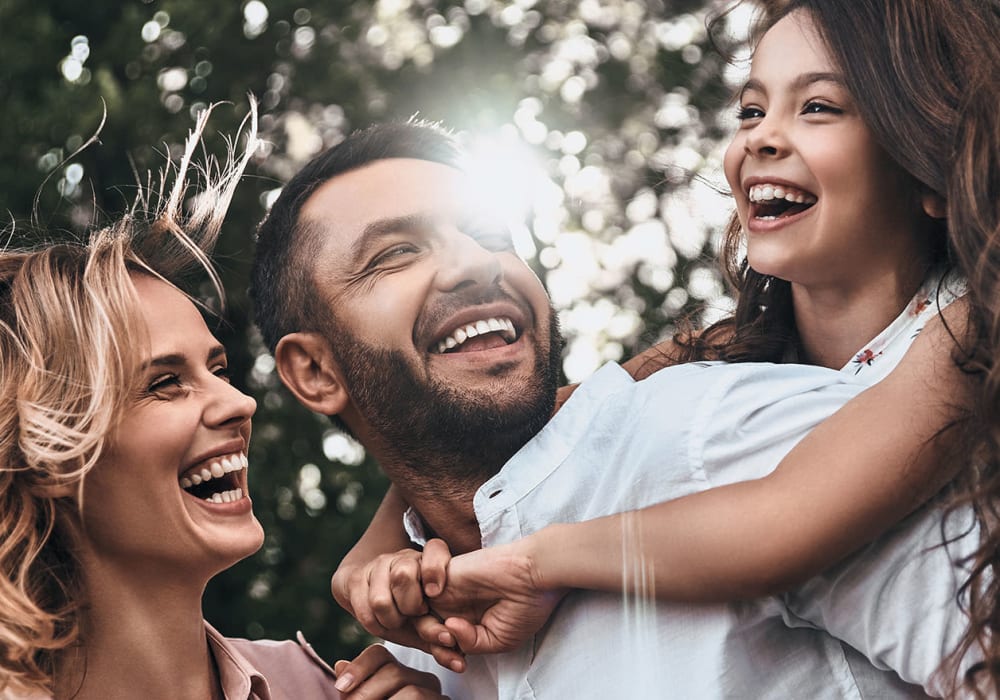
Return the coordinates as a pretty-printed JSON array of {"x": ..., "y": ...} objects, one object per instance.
[{"x": 442, "y": 493}]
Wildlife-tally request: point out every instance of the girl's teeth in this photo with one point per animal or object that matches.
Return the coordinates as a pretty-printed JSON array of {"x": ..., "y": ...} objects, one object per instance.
[{"x": 760, "y": 193}]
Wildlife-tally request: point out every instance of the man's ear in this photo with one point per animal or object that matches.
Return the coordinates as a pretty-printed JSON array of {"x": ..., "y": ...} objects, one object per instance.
[
  {"x": 306, "y": 366},
  {"x": 934, "y": 205}
]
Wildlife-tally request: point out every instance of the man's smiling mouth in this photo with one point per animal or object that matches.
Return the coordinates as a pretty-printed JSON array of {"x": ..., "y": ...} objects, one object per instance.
[{"x": 483, "y": 334}]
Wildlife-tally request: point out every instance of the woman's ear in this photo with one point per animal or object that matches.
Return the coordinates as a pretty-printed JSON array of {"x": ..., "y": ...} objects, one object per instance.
[
  {"x": 933, "y": 204},
  {"x": 306, "y": 366}
]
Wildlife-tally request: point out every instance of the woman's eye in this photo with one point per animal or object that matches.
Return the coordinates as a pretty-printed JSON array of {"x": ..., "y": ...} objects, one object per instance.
[
  {"x": 745, "y": 113},
  {"x": 222, "y": 372},
  {"x": 163, "y": 384}
]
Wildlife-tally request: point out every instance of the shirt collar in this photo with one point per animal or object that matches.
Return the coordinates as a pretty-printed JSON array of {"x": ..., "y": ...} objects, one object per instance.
[{"x": 238, "y": 677}]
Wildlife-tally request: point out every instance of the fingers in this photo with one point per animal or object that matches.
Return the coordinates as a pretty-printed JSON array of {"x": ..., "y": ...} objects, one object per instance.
[
  {"x": 394, "y": 587},
  {"x": 471, "y": 638},
  {"x": 376, "y": 674},
  {"x": 434, "y": 566}
]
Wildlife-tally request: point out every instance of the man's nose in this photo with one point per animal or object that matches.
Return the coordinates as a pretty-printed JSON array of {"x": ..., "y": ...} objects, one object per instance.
[{"x": 464, "y": 262}]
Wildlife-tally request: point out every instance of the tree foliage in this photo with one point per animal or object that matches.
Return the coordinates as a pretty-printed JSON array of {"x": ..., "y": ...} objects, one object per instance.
[{"x": 621, "y": 104}]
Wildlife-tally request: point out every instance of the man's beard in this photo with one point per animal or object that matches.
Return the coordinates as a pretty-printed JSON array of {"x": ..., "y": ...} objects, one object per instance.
[{"x": 442, "y": 431}]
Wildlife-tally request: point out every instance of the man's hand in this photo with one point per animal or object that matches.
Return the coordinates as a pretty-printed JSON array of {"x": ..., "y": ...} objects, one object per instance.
[
  {"x": 494, "y": 599},
  {"x": 387, "y": 597},
  {"x": 376, "y": 674}
]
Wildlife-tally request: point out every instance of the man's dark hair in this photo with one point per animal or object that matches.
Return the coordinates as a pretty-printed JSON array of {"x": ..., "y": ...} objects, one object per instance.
[{"x": 282, "y": 284}]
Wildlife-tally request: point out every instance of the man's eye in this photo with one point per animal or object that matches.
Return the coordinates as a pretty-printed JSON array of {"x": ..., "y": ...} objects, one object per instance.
[
  {"x": 497, "y": 243},
  {"x": 395, "y": 251},
  {"x": 497, "y": 239},
  {"x": 222, "y": 372}
]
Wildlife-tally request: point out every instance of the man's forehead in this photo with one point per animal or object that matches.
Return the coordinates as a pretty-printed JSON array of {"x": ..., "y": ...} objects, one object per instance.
[{"x": 388, "y": 188}]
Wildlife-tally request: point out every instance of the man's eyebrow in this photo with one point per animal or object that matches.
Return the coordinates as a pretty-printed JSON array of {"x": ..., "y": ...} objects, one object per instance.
[
  {"x": 386, "y": 227},
  {"x": 802, "y": 81}
]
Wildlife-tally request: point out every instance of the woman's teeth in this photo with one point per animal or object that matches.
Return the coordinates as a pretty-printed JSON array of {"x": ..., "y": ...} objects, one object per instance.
[
  {"x": 216, "y": 481},
  {"x": 226, "y": 496},
  {"x": 502, "y": 325}
]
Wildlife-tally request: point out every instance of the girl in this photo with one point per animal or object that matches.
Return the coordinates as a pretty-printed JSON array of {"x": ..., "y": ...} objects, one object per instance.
[
  {"x": 839, "y": 170},
  {"x": 123, "y": 480}
]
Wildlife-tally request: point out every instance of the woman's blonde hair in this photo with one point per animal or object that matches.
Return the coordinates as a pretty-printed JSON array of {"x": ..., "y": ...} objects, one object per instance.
[{"x": 70, "y": 336}]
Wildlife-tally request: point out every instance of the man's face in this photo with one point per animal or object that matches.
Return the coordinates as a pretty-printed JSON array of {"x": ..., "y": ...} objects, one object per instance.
[{"x": 445, "y": 338}]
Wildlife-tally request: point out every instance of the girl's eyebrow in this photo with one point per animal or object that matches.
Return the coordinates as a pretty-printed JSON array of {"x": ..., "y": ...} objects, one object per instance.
[{"x": 801, "y": 81}]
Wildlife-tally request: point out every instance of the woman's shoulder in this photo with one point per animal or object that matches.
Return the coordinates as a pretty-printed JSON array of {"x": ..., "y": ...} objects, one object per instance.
[{"x": 292, "y": 669}]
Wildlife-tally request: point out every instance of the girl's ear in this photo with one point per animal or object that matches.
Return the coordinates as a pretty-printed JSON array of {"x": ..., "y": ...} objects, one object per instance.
[
  {"x": 306, "y": 366},
  {"x": 934, "y": 205}
]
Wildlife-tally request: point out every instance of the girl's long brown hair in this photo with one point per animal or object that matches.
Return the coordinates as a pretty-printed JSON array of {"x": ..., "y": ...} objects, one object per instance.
[{"x": 926, "y": 77}]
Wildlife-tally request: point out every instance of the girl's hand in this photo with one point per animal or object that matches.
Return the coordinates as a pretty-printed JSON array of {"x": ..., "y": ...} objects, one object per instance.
[
  {"x": 495, "y": 599},
  {"x": 376, "y": 674}
]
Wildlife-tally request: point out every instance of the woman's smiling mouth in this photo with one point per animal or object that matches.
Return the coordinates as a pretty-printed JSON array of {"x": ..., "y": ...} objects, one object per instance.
[{"x": 217, "y": 480}]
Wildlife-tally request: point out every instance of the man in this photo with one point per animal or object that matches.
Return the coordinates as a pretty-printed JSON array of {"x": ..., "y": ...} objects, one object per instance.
[{"x": 394, "y": 303}]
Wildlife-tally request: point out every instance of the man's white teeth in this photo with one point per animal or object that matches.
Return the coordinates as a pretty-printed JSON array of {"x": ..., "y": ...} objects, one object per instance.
[
  {"x": 471, "y": 330},
  {"x": 226, "y": 496},
  {"x": 764, "y": 193},
  {"x": 218, "y": 468}
]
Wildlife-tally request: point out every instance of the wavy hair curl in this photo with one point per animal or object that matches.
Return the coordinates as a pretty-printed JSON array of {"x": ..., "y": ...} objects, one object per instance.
[{"x": 70, "y": 338}]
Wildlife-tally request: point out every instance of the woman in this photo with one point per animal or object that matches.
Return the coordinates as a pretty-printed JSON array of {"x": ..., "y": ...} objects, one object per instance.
[
  {"x": 840, "y": 172},
  {"x": 123, "y": 481}
]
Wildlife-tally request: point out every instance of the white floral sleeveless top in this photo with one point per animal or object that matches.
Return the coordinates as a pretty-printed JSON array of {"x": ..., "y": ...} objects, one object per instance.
[{"x": 878, "y": 357}]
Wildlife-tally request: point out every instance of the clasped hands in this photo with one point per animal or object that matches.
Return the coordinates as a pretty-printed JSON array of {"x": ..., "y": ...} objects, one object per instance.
[{"x": 487, "y": 601}]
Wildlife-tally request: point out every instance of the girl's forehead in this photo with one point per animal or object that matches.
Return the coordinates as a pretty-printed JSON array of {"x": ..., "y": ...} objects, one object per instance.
[{"x": 792, "y": 46}]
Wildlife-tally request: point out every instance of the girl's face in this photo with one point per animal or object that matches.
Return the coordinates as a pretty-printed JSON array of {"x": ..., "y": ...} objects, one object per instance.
[
  {"x": 821, "y": 203},
  {"x": 171, "y": 488}
]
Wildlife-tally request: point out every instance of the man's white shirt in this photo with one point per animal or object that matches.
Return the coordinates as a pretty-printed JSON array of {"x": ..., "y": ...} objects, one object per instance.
[{"x": 619, "y": 445}]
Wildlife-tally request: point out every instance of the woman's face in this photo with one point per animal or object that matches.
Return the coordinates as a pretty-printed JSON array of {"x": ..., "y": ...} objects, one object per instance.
[
  {"x": 821, "y": 203},
  {"x": 171, "y": 487}
]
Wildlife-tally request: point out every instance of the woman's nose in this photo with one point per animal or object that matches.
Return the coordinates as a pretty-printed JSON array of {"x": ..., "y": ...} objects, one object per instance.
[{"x": 229, "y": 405}]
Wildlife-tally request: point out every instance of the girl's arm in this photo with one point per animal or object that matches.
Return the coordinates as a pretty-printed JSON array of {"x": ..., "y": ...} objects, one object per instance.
[
  {"x": 361, "y": 582},
  {"x": 852, "y": 478}
]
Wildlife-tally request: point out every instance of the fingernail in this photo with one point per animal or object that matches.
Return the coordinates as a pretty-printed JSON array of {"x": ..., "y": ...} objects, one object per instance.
[
  {"x": 344, "y": 683},
  {"x": 457, "y": 665},
  {"x": 432, "y": 589},
  {"x": 446, "y": 639}
]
